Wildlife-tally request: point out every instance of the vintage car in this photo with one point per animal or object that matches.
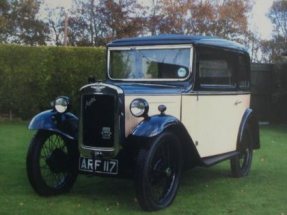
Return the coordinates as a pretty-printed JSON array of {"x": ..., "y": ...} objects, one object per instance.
[{"x": 169, "y": 103}]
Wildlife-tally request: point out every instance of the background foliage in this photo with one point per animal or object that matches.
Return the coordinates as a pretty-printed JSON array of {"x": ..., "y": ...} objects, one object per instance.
[{"x": 30, "y": 77}]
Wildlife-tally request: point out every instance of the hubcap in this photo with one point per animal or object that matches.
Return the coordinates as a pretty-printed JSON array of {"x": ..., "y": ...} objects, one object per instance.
[
  {"x": 57, "y": 161},
  {"x": 54, "y": 161}
]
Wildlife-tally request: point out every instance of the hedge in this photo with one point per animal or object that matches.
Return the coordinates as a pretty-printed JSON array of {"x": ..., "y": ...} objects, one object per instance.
[{"x": 31, "y": 77}]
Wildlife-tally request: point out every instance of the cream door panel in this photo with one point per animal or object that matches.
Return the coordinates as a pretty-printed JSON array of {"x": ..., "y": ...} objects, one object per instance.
[
  {"x": 172, "y": 103},
  {"x": 213, "y": 121}
]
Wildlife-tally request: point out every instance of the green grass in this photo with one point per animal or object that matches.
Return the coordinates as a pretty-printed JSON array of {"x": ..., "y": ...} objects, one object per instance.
[{"x": 202, "y": 191}]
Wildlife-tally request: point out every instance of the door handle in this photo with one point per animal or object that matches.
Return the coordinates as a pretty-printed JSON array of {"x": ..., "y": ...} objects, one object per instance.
[{"x": 237, "y": 102}]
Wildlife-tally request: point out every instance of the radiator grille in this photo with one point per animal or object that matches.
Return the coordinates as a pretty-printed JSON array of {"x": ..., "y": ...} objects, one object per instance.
[{"x": 98, "y": 120}]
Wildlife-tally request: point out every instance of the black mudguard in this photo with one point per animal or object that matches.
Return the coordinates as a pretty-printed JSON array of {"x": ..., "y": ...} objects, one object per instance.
[
  {"x": 157, "y": 124},
  {"x": 249, "y": 120},
  {"x": 65, "y": 124},
  {"x": 153, "y": 126}
]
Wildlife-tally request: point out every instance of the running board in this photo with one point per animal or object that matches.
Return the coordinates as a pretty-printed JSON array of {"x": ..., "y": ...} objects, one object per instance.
[{"x": 209, "y": 161}]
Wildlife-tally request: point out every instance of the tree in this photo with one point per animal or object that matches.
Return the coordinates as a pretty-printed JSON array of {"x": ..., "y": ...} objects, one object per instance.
[
  {"x": 122, "y": 19},
  {"x": 202, "y": 16},
  {"x": 5, "y": 24},
  {"x": 55, "y": 22},
  {"x": 172, "y": 17},
  {"x": 84, "y": 23},
  {"x": 97, "y": 22},
  {"x": 19, "y": 22},
  {"x": 28, "y": 29},
  {"x": 222, "y": 18},
  {"x": 278, "y": 16},
  {"x": 153, "y": 20},
  {"x": 231, "y": 20},
  {"x": 274, "y": 48}
]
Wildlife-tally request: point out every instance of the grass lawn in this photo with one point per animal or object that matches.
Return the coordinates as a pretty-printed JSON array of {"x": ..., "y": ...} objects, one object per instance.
[{"x": 202, "y": 191}]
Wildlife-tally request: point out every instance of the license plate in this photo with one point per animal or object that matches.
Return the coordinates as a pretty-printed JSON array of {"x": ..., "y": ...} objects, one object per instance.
[{"x": 98, "y": 165}]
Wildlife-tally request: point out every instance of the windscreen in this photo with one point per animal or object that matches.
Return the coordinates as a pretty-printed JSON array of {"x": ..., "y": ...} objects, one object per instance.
[{"x": 148, "y": 64}]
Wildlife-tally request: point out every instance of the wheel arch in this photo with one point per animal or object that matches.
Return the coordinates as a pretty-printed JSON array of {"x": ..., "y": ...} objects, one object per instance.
[
  {"x": 65, "y": 124},
  {"x": 249, "y": 120},
  {"x": 153, "y": 126}
]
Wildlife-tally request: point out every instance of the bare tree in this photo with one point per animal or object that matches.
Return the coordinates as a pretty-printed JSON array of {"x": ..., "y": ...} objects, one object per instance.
[
  {"x": 274, "y": 48},
  {"x": 278, "y": 16}
]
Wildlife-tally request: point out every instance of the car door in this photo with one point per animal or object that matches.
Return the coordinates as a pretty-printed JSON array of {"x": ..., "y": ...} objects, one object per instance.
[{"x": 212, "y": 113}]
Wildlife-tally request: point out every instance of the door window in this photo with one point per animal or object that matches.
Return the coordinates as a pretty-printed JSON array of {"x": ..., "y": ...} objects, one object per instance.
[{"x": 220, "y": 69}]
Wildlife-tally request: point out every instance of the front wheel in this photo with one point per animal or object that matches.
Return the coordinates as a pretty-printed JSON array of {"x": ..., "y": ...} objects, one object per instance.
[
  {"x": 158, "y": 172},
  {"x": 241, "y": 164},
  {"x": 51, "y": 163}
]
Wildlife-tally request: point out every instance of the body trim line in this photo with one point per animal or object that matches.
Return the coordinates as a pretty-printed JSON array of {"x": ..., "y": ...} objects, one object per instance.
[{"x": 215, "y": 93}]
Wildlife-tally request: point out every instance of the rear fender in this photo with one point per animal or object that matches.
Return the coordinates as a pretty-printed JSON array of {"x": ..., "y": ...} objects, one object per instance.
[
  {"x": 65, "y": 124},
  {"x": 249, "y": 121}
]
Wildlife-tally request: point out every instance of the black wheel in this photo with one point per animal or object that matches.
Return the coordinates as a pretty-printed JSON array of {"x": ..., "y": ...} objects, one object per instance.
[
  {"x": 241, "y": 164},
  {"x": 51, "y": 163},
  {"x": 158, "y": 172}
]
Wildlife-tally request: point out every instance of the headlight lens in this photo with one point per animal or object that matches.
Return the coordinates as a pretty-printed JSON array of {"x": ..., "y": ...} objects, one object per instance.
[
  {"x": 61, "y": 104},
  {"x": 139, "y": 107}
]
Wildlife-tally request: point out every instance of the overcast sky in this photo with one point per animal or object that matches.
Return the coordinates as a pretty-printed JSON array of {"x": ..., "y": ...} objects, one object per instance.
[{"x": 258, "y": 20}]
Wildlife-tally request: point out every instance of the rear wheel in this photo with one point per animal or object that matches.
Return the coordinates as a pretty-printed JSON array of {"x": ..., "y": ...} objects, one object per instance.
[
  {"x": 241, "y": 164},
  {"x": 51, "y": 163},
  {"x": 158, "y": 172}
]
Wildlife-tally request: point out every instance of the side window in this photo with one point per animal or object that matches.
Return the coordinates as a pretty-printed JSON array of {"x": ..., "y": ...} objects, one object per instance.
[
  {"x": 216, "y": 68},
  {"x": 215, "y": 72}
]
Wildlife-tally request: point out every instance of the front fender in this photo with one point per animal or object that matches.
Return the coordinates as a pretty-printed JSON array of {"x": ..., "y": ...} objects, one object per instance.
[
  {"x": 152, "y": 126},
  {"x": 65, "y": 124},
  {"x": 155, "y": 125}
]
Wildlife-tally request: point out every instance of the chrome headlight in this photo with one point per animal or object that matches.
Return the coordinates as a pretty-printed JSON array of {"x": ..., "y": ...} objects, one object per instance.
[
  {"x": 61, "y": 104},
  {"x": 139, "y": 107}
]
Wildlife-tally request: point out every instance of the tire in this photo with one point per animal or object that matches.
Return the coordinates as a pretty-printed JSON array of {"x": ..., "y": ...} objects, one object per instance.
[
  {"x": 158, "y": 172},
  {"x": 241, "y": 164},
  {"x": 51, "y": 163}
]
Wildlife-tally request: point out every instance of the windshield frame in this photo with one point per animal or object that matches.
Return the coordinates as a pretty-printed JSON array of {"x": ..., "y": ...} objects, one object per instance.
[{"x": 123, "y": 48}]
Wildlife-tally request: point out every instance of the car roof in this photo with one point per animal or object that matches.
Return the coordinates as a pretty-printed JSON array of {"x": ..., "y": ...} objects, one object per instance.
[{"x": 175, "y": 39}]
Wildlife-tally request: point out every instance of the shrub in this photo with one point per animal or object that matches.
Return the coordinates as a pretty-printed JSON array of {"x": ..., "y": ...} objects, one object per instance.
[{"x": 30, "y": 77}]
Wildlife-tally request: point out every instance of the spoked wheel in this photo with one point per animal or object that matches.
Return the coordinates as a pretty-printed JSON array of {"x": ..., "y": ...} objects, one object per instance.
[
  {"x": 241, "y": 164},
  {"x": 158, "y": 172},
  {"x": 51, "y": 163}
]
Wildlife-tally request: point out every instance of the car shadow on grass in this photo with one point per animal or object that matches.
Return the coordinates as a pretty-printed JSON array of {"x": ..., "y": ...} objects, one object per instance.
[
  {"x": 120, "y": 193},
  {"x": 112, "y": 192},
  {"x": 199, "y": 177}
]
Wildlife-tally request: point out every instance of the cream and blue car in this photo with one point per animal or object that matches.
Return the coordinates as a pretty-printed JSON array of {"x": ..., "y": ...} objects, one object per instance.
[{"x": 169, "y": 103}]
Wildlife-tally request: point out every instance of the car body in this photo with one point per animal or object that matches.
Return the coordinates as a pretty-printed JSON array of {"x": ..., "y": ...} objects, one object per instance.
[{"x": 169, "y": 103}]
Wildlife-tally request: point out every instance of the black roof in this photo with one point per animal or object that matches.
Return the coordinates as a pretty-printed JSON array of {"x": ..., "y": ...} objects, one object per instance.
[{"x": 173, "y": 39}]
